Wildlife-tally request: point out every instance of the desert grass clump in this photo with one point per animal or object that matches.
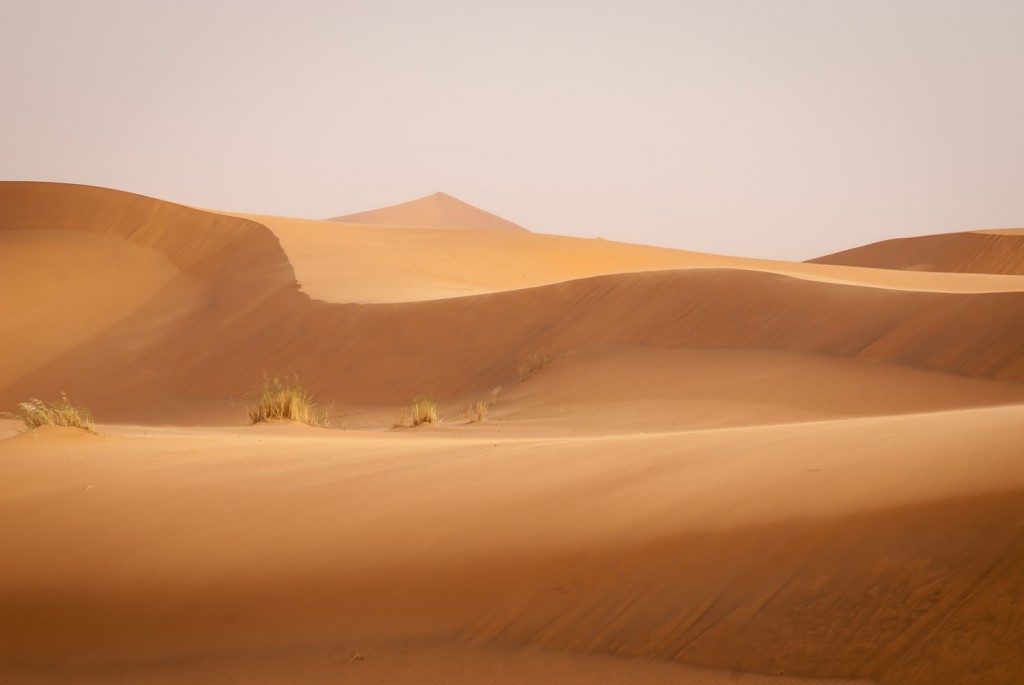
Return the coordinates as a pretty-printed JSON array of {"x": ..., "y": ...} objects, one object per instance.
[
  {"x": 478, "y": 410},
  {"x": 276, "y": 399},
  {"x": 534, "y": 362},
  {"x": 36, "y": 413},
  {"x": 424, "y": 409}
]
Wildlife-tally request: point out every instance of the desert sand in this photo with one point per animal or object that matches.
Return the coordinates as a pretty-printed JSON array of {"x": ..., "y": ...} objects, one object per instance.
[
  {"x": 730, "y": 471},
  {"x": 985, "y": 252},
  {"x": 439, "y": 210}
]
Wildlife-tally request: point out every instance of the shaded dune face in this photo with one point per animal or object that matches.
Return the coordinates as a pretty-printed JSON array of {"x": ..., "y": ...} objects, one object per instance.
[
  {"x": 62, "y": 287},
  {"x": 670, "y": 388},
  {"x": 245, "y": 314},
  {"x": 439, "y": 210},
  {"x": 981, "y": 253},
  {"x": 223, "y": 264}
]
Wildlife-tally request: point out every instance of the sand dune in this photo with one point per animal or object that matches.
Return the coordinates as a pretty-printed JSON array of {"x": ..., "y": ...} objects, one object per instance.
[
  {"x": 63, "y": 287},
  {"x": 773, "y": 471},
  {"x": 221, "y": 261},
  {"x": 253, "y": 317},
  {"x": 884, "y": 548},
  {"x": 655, "y": 389},
  {"x": 351, "y": 263},
  {"x": 981, "y": 252},
  {"x": 433, "y": 211}
]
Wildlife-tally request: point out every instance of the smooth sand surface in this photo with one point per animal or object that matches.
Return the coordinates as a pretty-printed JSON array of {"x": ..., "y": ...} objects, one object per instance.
[
  {"x": 886, "y": 548},
  {"x": 729, "y": 471},
  {"x": 418, "y": 664},
  {"x": 979, "y": 252},
  {"x": 52, "y": 281}
]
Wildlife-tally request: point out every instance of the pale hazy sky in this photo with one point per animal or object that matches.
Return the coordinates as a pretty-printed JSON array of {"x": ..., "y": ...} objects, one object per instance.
[{"x": 774, "y": 128}]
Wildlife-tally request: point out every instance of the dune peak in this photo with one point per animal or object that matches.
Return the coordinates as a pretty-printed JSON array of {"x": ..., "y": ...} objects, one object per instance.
[{"x": 438, "y": 210}]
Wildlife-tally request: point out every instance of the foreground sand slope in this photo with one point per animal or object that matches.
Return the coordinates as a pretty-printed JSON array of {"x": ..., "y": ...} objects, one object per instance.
[
  {"x": 418, "y": 664},
  {"x": 237, "y": 310},
  {"x": 886, "y": 548},
  {"x": 982, "y": 252}
]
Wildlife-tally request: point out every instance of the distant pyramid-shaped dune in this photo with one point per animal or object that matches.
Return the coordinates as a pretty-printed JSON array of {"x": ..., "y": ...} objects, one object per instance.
[{"x": 433, "y": 211}]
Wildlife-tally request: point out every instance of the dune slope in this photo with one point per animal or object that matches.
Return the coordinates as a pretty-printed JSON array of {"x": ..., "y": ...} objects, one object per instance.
[
  {"x": 629, "y": 389},
  {"x": 976, "y": 252},
  {"x": 174, "y": 269},
  {"x": 58, "y": 288},
  {"x": 882, "y": 548}
]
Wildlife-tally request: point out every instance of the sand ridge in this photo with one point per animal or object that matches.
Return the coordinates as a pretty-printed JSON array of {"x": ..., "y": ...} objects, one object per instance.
[{"x": 360, "y": 264}]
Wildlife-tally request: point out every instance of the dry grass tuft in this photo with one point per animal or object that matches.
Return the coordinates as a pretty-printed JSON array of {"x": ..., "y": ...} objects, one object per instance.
[
  {"x": 534, "y": 362},
  {"x": 424, "y": 409},
  {"x": 478, "y": 410},
  {"x": 35, "y": 413},
  {"x": 285, "y": 400},
  {"x": 356, "y": 655}
]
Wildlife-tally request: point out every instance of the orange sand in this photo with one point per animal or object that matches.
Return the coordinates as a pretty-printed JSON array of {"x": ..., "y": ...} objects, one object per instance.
[
  {"x": 439, "y": 210},
  {"x": 732, "y": 470},
  {"x": 978, "y": 252}
]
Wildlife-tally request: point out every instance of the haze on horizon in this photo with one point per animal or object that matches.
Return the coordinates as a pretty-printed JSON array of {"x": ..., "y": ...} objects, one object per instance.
[{"x": 784, "y": 129}]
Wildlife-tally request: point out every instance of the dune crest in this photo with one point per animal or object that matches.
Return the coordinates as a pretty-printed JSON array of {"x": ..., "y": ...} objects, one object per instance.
[
  {"x": 355, "y": 263},
  {"x": 439, "y": 210}
]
